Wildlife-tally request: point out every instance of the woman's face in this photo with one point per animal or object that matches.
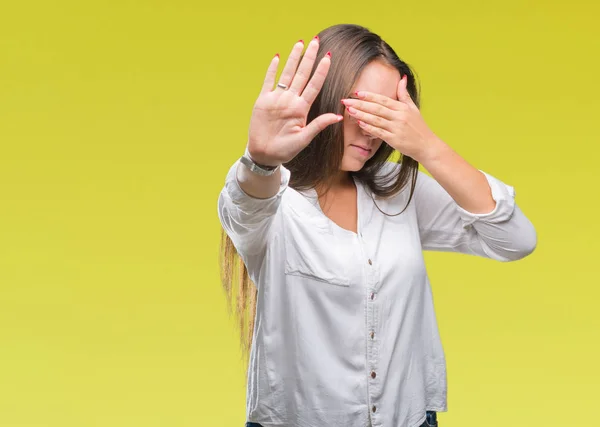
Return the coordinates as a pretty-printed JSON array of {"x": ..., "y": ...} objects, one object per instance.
[{"x": 377, "y": 77}]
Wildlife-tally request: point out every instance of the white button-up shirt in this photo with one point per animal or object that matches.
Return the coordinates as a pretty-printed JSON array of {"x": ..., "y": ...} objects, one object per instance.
[{"x": 346, "y": 333}]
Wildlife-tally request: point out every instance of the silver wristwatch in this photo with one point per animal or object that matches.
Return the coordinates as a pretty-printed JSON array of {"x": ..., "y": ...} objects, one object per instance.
[{"x": 256, "y": 168}]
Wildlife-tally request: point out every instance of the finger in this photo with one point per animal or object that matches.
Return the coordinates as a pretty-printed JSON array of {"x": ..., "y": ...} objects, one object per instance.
[
  {"x": 390, "y": 103},
  {"x": 373, "y": 130},
  {"x": 306, "y": 65},
  {"x": 368, "y": 118},
  {"x": 402, "y": 92},
  {"x": 271, "y": 74},
  {"x": 292, "y": 63},
  {"x": 316, "y": 82},
  {"x": 317, "y": 125},
  {"x": 369, "y": 107}
]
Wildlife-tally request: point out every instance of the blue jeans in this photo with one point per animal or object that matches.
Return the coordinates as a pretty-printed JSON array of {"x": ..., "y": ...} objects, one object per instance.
[{"x": 431, "y": 421}]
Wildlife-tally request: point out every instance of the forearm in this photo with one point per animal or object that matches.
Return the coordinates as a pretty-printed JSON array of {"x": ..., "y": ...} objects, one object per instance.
[
  {"x": 257, "y": 186},
  {"x": 466, "y": 185}
]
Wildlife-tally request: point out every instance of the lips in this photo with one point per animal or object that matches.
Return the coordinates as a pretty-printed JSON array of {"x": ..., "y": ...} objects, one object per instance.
[{"x": 367, "y": 149}]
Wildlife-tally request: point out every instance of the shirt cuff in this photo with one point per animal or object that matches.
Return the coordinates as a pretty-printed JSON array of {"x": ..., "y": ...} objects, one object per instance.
[
  {"x": 247, "y": 202},
  {"x": 504, "y": 196}
]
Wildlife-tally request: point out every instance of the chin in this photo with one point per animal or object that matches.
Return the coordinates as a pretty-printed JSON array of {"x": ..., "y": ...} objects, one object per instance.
[{"x": 352, "y": 165}]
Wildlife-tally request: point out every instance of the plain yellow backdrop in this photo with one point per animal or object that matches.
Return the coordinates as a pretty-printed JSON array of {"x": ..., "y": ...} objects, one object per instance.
[{"x": 118, "y": 122}]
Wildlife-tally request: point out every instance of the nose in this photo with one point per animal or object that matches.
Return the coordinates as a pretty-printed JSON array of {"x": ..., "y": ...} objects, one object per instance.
[{"x": 369, "y": 136}]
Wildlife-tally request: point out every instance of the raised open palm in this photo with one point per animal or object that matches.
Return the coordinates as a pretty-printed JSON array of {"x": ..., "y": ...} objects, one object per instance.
[{"x": 278, "y": 129}]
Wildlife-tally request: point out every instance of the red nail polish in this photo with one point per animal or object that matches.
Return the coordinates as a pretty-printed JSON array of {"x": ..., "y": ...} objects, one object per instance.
[
  {"x": 277, "y": 55},
  {"x": 316, "y": 38},
  {"x": 301, "y": 41},
  {"x": 328, "y": 54}
]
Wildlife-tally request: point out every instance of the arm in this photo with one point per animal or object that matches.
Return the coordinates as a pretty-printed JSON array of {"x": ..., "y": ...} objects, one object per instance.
[
  {"x": 278, "y": 132},
  {"x": 248, "y": 205},
  {"x": 462, "y": 209},
  {"x": 466, "y": 185},
  {"x": 257, "y": 186}
]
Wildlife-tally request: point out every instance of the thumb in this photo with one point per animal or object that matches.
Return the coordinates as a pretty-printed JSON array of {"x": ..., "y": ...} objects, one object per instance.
[
  {"x": 403, "y": 94},
  {"x": 317, "y": 125}
]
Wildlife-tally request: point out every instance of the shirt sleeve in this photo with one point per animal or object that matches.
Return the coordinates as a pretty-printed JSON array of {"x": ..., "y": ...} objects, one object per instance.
[
  {"x": 246, "y": 219},
  {"x": 505, "y": 234}
]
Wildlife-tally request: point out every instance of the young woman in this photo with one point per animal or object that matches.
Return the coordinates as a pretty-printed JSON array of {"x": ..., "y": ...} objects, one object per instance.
[{"x": 334, "y": 300}]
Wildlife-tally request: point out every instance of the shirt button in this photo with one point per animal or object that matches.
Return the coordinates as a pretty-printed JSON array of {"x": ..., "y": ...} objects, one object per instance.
[
  {"x": 372, "y": 295},
  {"x": 372, "y": 334},
  {"x": 373, "y": 374},
  {"x": 370, "y": 262},
  {"x": 374, "y": 408}
]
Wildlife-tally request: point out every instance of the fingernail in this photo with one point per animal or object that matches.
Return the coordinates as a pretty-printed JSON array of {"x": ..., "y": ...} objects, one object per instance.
[
  {"x": 359, "y": 94},
  {"x": 277, "y": 55},
  {"x": 340, "y": 118},
  {"x": 316, "y": 38},
  {"x": 301, "y": 41},
  {"x": 328, "y": 54}
]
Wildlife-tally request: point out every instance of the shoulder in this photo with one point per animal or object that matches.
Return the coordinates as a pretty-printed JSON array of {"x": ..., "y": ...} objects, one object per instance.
[{"x": 300, "y": 204}]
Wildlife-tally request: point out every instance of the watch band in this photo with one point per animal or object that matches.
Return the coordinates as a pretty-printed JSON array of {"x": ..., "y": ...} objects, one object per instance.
[{"x": 256, "y": 168}]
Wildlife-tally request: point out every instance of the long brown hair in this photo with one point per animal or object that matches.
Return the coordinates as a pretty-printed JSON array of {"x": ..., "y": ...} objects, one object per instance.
[{"x": 353, "y": 47}]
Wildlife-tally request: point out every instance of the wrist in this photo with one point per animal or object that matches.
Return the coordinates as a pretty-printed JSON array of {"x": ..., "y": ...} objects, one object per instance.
[
  {"x": 261, "y": 161},
  {"x": 264, "y": 164},
  {"x": 257, "y": 168}
]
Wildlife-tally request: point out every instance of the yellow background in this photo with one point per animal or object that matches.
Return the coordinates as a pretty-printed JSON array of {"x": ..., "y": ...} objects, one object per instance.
[{"x": 118, "y": 122}]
